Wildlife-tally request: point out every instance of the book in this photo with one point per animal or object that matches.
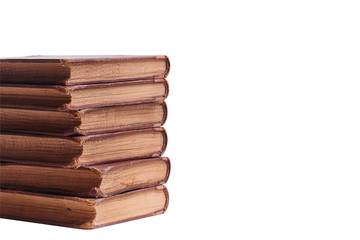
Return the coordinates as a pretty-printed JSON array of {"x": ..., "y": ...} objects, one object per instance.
[
  {"x": 85, "y": 121},
  {"x": 85, "y": 213},
  {"x": 74, "y": 70},
  {"x": 101, "y": 180},
  {"x": 79, "y": 151},
  {"x": 83, "y": 96}
]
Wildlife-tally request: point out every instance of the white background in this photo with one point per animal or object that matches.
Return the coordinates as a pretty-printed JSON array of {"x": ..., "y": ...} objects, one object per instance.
[{"x": 263, "y": 120}]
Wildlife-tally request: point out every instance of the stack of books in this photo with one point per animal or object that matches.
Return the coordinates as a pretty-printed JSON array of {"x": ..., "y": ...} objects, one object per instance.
[{"x": 81, "y": 139}]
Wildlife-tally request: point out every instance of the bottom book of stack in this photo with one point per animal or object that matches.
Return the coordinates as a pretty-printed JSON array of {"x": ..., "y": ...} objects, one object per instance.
[
  {"x": 80, "y": 212},
  {"x": 86, "y": 197}
]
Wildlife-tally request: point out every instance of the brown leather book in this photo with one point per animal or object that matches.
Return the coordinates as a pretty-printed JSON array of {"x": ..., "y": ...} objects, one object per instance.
[
  {"x": 74, "y": 70},
  {"x": 85, "y": 121},
  {"x": 93, "y": 181},
  {"x": 79, "y": 151},
  {"x": 83, "y": 96},
  {"x": 85, "y": 213}
]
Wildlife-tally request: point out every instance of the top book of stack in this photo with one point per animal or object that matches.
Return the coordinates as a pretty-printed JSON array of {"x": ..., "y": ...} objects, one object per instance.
[{"x": 78, "y": 70}]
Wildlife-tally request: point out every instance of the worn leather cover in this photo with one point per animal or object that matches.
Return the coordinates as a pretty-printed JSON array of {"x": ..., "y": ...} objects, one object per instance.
[
  {"x": 81, "y": 139},
  {"x": 66, "y": 105},
  {"x": 56, "y": 70},
  {"x": 74, "y": 129},
  {"x": 99, "y": 169},
  {"x": 87, "y": 201}
]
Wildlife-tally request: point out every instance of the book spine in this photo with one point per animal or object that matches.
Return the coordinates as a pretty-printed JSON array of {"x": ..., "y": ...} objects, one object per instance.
[
  {"x": 37, "y": 121},
  {"x": 37, "y": 72}
]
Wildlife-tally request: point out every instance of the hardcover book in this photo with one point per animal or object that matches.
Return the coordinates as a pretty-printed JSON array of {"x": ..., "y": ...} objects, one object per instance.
[
  {"x": 85, "y": 213},
  {"x": 85, "y": 121},
  {"x": 75, "y": 70},
  {"x": 83, "y": 96},
  {"x": 82, "y": 150},
  {"x": 101, "y": 180}
]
